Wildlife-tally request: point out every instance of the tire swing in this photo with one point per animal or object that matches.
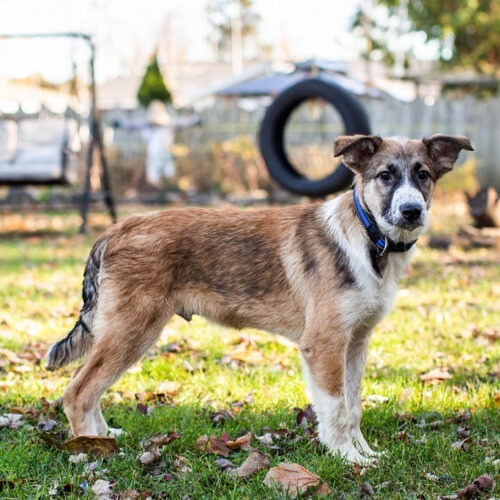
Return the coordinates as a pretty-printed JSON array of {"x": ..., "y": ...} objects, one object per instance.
[{"x": 271, "y": 135}]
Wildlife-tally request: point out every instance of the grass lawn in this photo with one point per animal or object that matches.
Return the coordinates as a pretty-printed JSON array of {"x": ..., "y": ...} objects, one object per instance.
[{"x": 439, "y": 434}]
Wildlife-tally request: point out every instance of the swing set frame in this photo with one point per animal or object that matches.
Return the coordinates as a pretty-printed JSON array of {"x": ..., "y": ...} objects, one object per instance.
[{"x": 95, "y": 147}]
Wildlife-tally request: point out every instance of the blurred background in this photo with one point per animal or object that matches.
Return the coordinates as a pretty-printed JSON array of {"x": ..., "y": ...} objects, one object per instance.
[{"x": 418, "y": 68}]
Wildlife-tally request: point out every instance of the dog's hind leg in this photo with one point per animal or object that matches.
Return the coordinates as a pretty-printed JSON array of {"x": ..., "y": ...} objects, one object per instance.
[{"x": 123, "y": 333}]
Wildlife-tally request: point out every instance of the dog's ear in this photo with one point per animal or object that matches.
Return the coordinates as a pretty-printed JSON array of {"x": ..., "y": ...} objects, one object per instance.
[
  {"x": 443, "y": 150},
  {"x": 356, "y": 150}
]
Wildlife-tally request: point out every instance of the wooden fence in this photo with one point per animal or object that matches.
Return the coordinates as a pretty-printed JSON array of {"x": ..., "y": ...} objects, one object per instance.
[
  {"x": 314, "y": 125},
  {"x": 477, "y": 119}
]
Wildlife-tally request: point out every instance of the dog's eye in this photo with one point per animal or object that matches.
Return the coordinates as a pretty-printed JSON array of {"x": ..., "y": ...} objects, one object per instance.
[
  {"x": 385, "y": 176},
  {"x": 423, "y": 175}
]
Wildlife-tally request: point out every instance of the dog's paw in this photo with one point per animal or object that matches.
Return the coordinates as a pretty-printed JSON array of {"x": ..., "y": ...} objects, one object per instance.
[
  {"x": 115, "y": 433},
  {"x": 350, "y": 454},
  {"x": 376, "y": 454},
  {"x": 368, "y": 452}
]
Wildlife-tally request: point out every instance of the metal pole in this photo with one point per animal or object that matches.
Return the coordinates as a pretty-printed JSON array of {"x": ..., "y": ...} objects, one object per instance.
[{"x": 94, "y": 130}]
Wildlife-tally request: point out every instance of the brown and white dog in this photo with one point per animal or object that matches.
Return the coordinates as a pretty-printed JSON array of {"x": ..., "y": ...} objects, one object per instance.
[{"x": 322, "y": 275}]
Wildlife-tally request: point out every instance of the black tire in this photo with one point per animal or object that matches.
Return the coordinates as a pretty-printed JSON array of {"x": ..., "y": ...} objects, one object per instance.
[{"x": 271, "y": 135}]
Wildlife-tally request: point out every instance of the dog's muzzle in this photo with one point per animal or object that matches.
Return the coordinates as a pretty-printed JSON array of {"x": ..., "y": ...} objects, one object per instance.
[{"x": 410, "y": 216}]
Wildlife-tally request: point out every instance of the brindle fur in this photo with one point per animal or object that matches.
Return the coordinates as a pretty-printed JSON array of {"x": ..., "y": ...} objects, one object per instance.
[{"x": 307, "y": 272}]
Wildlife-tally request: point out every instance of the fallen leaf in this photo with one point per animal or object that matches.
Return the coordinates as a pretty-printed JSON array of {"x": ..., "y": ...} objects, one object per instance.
[
  {"x": 366, "y": 490},
  {"x": 47, "y": 425},
  {"x": 462, "y": 445},
  {"x": 102, "y": 489},
  {"x": 29, "y": 412},
  {"x": 359, "y": 470},
  {"x": 463, "y": 432},
  {"x": 436, "y": 376},
  {"x": 168, "y": 387},
  {"x": 144, "y": 409},
  {"x": 295, "y": 479},
  {"x": 173, "y": 347},
  {"x": 152, "y": 446},
  {"x": 220, "y": 417},
  {"x": 241, "y": 443},
  {"x": 306, "y": 417},
  {"x": 95, "y": 445},
  {"x": 163, "y": 439},
  {"x": 53, "y": 490},
  {"x": 224, "y": 463},
  {"x": 375, "y": 398},
  {"x": 479, "y": 487},
  {"x": 405, "y": 395},
  {"x": 266, "y": 439},
  {"x": 11, "y": 420},
  {"x": 211, "y": 444},
  {"x": 181, "y": 465},
  {"x": 404, "y": 436},
  {"x": 255, "y": 462},
  {"x": 129, "y": 495},
  {"x": 148, "y": 457},
  {"x": 242, "y": 355}
]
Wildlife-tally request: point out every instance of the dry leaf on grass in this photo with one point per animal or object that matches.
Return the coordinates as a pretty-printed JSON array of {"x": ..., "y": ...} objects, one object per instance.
[
  {"x": 168, "y": 387},
  {"x": 463, "y": 432},
  {"x": 460, "y": 417},
  {"x": 241, "y": 443},
  {"x": 436, "y": 376},
  {"x": 295, "y": 479},
  {"x": 462, "y": 445},
  {"x": 220, "y": 417},
  {"x": 95, "y": 445},
  {"x": 153, "y": 445},
  {"x": 478, "y": 488},
  {"x": 255, "y": 462},
  {"x": 224, "y": 463},
  {"x": 132, "y": 495},
  {"x": 211, "y": 444},
  {"x": 240, "y": 356},
  {"x": 148, "y": 457},
  {"x": 11, "y": 420},
  {"x": 306, "y": 417},
  {"x": 102, "y": 489},
  {"x": 375, "y": 399},
  {"x": 366, "y": 490},
  {"x": 182, "y": 465}
]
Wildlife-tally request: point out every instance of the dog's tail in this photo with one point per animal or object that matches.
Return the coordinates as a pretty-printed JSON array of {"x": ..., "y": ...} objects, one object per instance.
[{"x": 80, "y": 339}]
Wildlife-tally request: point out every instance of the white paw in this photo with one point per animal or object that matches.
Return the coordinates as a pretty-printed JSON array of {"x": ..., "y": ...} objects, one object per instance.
[
  {"x": 352, "y": 455},
  {"x": 367, "y": 451},
  {"x": 115, "y": 433}
]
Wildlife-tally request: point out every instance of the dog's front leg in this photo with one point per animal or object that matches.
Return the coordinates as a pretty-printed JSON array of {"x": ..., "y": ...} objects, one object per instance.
[
  {"x": 355, "y": 368},
  {"x": 324, "y": 360}
]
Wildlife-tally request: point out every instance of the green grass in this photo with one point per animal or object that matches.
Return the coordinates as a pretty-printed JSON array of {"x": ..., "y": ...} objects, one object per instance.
[{"x": 446, "y": 302}]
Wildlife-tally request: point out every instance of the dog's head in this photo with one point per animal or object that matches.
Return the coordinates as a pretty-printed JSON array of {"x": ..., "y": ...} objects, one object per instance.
[{"x": 395, "y": 177}]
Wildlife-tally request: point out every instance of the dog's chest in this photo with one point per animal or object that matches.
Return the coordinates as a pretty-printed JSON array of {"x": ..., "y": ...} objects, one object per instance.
[{"x": 374, "y": 294}]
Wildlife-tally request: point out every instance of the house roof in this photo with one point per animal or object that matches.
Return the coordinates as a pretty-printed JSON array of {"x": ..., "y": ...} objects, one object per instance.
[{"x": 274, "y": 84}]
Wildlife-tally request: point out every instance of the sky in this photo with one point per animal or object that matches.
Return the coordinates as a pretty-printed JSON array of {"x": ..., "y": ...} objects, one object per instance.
[{"x": 126, "y": 32}]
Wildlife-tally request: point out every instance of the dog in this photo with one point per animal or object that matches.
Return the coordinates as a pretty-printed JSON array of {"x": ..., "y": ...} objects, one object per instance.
[{"x": 323, "y": 275}]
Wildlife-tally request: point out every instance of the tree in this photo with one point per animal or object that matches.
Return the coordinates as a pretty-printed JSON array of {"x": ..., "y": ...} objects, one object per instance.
[
  {"x": 222, "y": 15},
  {"x": 465, "y": 33},
  {"x": 153, "y": 86}
]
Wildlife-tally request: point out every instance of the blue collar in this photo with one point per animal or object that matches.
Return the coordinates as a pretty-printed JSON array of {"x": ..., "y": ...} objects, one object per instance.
[{"x": 382, "y": 243}]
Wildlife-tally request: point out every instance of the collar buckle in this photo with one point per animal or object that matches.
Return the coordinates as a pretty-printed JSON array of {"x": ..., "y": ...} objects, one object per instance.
[{"x": 383, "y": 251}]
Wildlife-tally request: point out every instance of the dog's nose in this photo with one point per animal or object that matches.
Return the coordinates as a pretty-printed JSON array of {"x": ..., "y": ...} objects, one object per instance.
[{"x": 411, "y": 211}]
